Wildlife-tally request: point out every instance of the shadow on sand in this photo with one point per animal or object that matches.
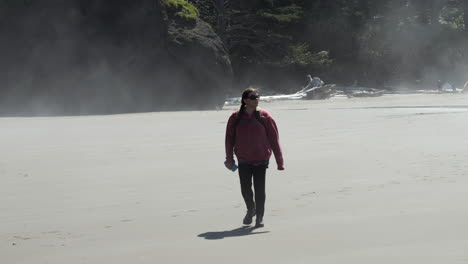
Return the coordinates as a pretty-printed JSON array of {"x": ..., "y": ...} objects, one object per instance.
[{"x": 241, "y": 231}]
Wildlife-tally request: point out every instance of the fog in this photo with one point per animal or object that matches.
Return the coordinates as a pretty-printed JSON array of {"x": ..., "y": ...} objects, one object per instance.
[
  {"x": 407, "y": 49},
  {"x": 104, "y": 57},
  {"x": 81, "y": 57}
]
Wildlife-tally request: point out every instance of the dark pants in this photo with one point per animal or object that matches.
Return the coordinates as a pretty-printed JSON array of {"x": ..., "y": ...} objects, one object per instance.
[{"x": 248, "y": 172}]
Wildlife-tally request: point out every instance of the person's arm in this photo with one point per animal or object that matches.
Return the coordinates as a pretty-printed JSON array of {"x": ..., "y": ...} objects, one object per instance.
[
  {"x": 273, "y": 139},
  {"x": 229, "y": 141}
]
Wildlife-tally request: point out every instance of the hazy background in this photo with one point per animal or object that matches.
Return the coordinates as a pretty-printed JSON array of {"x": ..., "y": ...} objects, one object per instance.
[{"x": 88, "y": 57}]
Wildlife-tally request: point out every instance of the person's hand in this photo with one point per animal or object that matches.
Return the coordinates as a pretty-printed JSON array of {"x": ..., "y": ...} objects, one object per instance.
[
  {"x": 280, "y": 168},
  {"x": 228, "y": 164}
]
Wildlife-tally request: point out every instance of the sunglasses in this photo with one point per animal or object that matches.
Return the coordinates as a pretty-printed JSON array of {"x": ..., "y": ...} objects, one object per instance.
[{"x": 253, "y": 96}]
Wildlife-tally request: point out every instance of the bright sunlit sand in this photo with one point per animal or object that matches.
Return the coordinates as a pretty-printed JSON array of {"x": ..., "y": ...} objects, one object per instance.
[{"x": 367, "y": 180}]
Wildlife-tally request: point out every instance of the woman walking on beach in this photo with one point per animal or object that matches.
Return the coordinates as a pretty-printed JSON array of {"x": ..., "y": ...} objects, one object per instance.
[{"x": 251, "y": 134}]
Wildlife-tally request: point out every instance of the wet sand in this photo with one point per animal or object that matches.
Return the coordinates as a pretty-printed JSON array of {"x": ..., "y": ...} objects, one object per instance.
[{"x": 367, "y": 180}]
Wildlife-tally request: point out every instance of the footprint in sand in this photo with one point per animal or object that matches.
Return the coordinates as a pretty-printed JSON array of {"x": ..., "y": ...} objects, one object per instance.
[
  {"x": 21, "y": 238},
  {"x": 304, "y": 195},
  {"x": 345, "y": 190}
]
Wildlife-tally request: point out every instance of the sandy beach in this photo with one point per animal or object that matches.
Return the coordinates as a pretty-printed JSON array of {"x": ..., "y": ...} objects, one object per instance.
[{"x": 367, "y": 180}]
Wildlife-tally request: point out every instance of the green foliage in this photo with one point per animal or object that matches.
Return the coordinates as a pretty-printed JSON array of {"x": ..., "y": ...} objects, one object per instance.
[
  {"x": 301, "y": 55},
  {"x": 183, "y": 8},
  {"x": 452, "y": 17},
  {"x": 286, "y": 14},
  {"x": 376, "y": 40}
]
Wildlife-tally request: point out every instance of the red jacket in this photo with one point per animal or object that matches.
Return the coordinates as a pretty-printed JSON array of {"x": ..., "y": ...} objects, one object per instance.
[{"x": 254, "y": 142}]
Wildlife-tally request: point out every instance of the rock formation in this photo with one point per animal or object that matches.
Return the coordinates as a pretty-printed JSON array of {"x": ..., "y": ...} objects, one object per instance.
[{"x": 103, "y": 56}]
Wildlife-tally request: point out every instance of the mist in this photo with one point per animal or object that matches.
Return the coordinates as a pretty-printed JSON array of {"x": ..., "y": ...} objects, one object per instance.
[
  {"x": 407, "y": 49},
  {"x": 89, "y": 57},
  {"x": 104, "y": 57}
]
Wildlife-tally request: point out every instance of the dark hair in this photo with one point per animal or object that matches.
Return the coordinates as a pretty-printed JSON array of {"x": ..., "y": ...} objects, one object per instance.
[{"x": 245, "y": 95}]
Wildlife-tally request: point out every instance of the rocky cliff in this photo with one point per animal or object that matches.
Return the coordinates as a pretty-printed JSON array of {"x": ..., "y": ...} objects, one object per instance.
[{"x": 103, "y": 56}]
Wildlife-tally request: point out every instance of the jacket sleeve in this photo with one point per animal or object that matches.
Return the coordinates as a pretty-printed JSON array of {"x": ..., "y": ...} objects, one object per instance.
[
  {"x": 229, "y": 140},
  {"x": 273, "y": 139}
]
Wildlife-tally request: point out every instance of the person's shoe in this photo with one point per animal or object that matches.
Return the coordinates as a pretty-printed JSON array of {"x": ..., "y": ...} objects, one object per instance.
[
  {"x": 248, "y": 217},
  {"x": 259, "y": 222}
]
